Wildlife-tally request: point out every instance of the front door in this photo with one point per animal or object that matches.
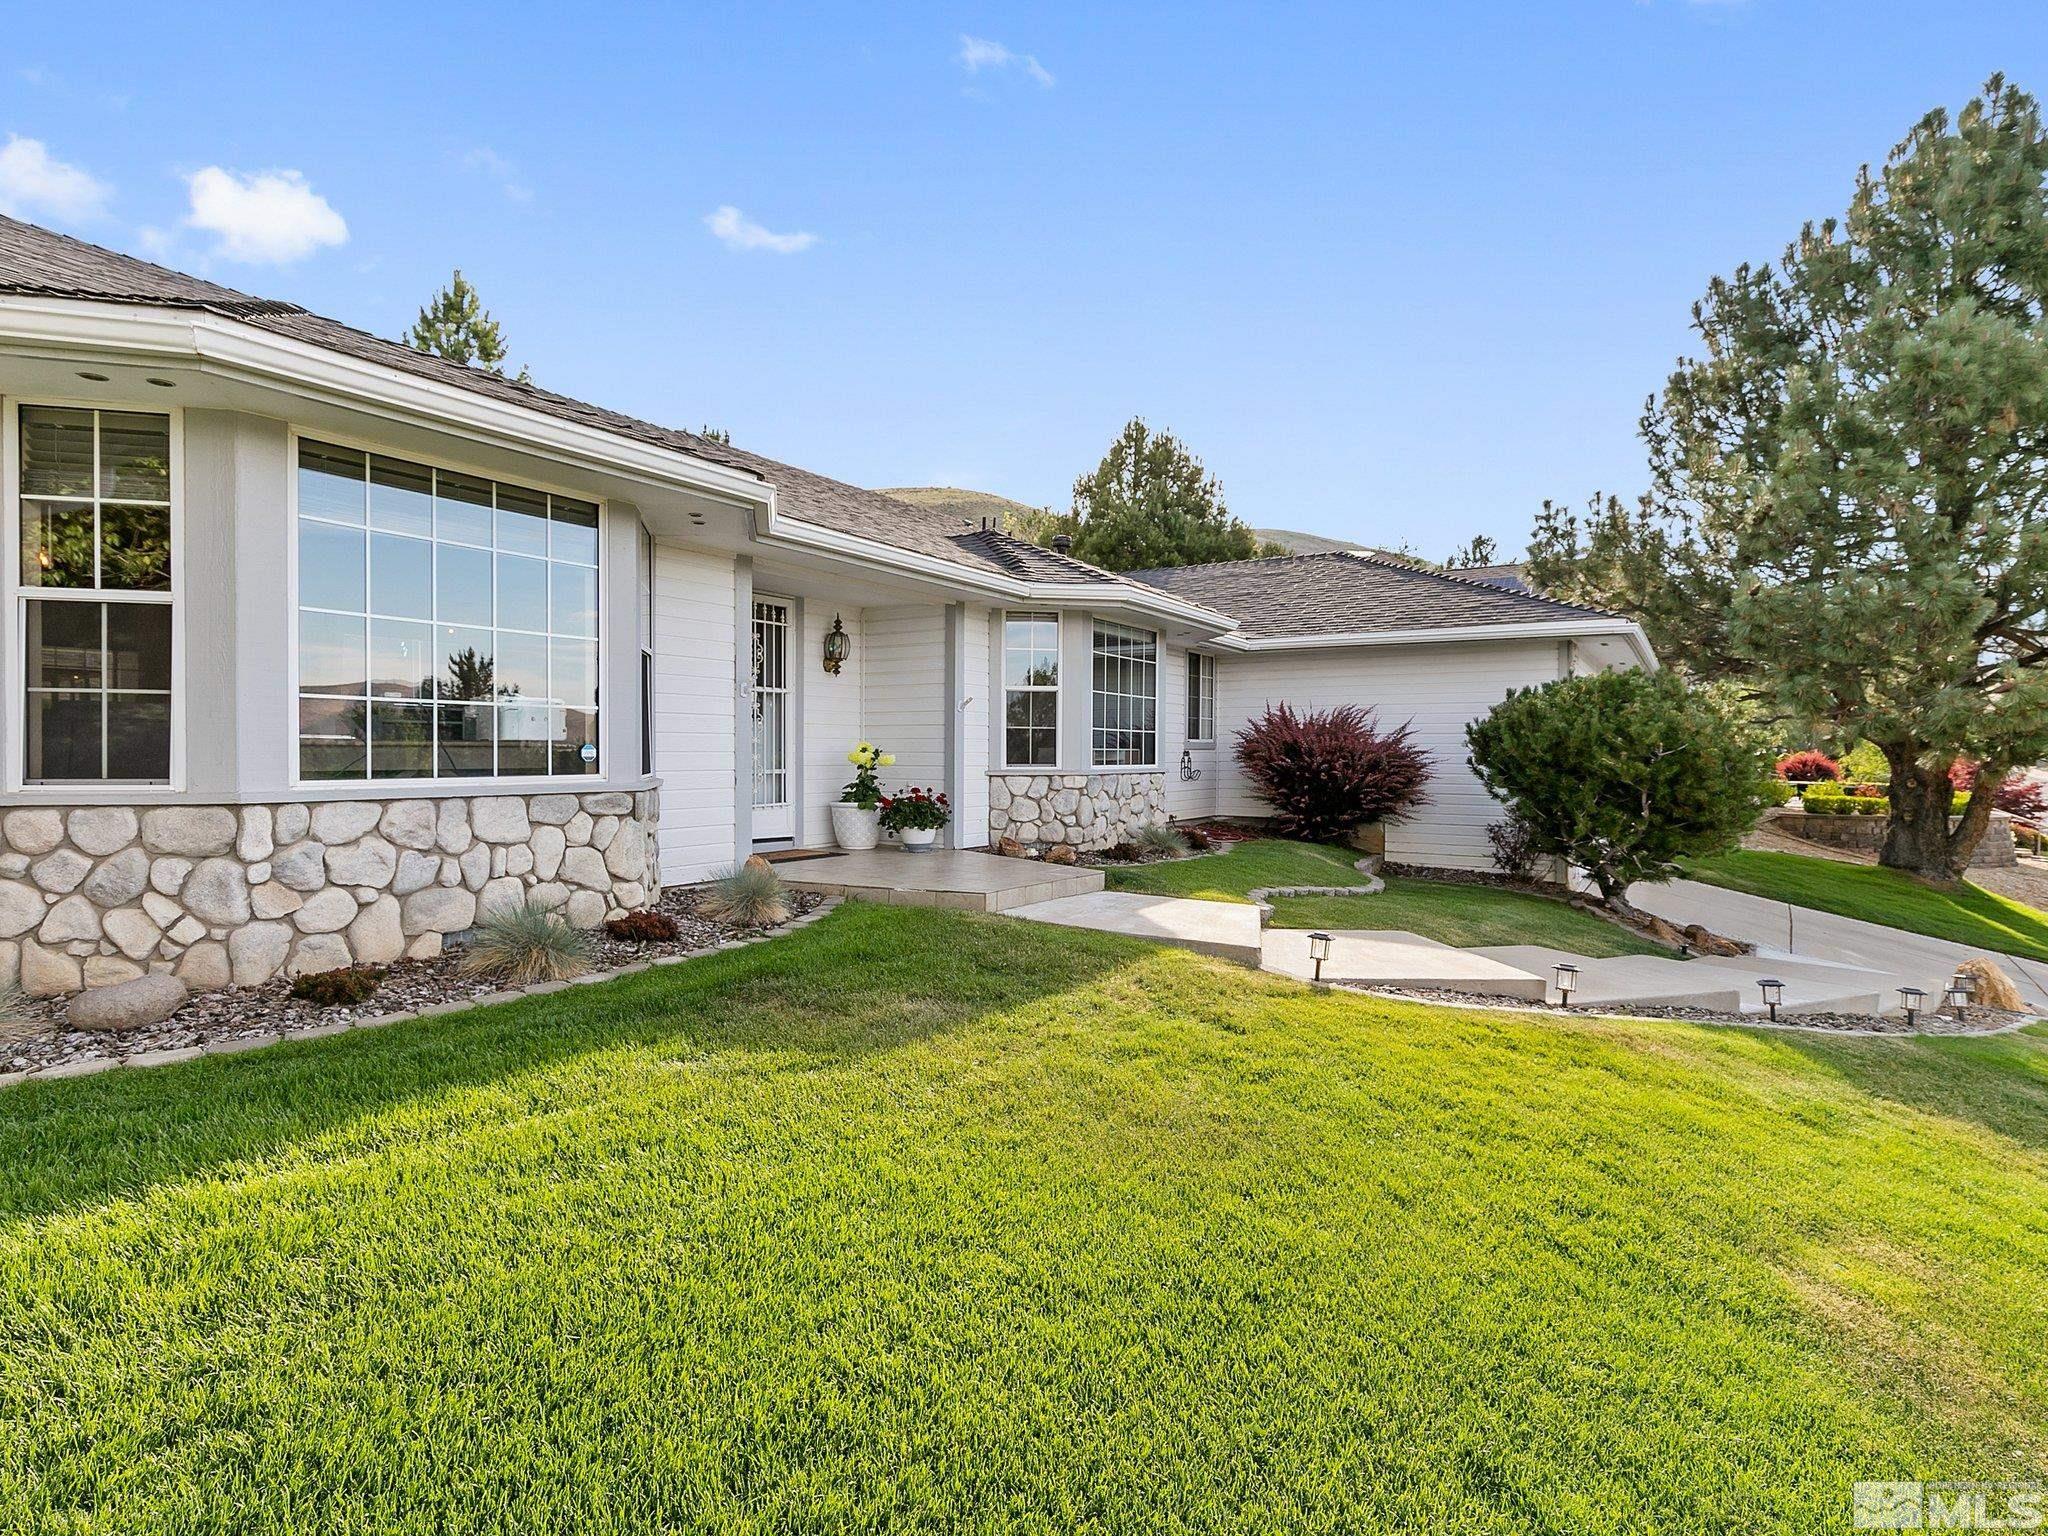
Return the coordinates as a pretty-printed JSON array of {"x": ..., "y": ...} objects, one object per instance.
[{"x": 774, "y": 816}]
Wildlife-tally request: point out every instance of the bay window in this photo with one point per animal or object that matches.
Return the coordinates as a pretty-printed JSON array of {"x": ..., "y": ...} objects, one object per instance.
[
  {"x": 94, "y": 583},
  {"x": 1031, "y": 690},
  {"x": 1126, "y": 691},
  {"x": 1201, "y": 699},
  {"x": 447, "y": 623}
]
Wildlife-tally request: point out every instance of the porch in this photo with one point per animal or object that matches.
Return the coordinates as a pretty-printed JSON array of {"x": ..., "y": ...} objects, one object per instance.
[{"x": 946, "y": 877}]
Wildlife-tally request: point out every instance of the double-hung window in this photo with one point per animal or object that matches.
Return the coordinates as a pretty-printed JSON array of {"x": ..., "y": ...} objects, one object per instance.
[
  {"x": 447, "y": 623},
  {"x": 1126, "y": 719},
  {"x": 1201, "y": 699},
  {"x": 1031, "y": 690},
  {"x": 95, "y": 595}
]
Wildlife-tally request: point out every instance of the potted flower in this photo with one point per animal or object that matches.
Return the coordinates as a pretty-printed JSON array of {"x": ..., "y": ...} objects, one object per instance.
[
  {"x": 915, "y": 816},
  {"x": 858, "y": 814}
]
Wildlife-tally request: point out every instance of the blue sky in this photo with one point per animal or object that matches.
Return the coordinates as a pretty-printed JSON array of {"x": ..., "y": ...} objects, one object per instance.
[{"x": 1394, "y": 272}]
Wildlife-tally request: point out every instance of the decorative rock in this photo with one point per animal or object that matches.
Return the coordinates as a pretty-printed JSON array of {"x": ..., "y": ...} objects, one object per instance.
[
  {"x": 34, "y": 832},
  {"x": 193, "y": 831},
  {"x": 187, "y": 930},
  {"x": 548, "y": 847},
  {"x": 133, "y": 931},
  {"x": 21, "y": 908},
  {"x": 167, "y": 875},
  {"x": 585, "y": 867},
  {"x": 110, "y": 971},
  {"x": 551, "y": 810},
  {"x": 289, "y": 823},
  {"x": 416, "y": 871},
  {"x": 425, "y": 947},
  {"x": 218, "y": 893},
  {"x": 586, "y": 909},
  {"x": 577, "y": 828},
  {"x": 408, "y": 823},
  {"x": 376, "y": 937},
  {"x": 258, "y": 835},
  {"x": 318, "y": 952},
  {"x": 626, "y": 858},
  {"x": 372, "y": 861},
  {"x": 343, "y": 821},
  {"x": 327, "y": 911},
  {"x": 519, "y": 860},
  {"x": 549, "y": 895},
  {"x": 47, "y": 972},
  {"x": 497, "y": 862},
  {"x": 302, "y": 866},
  {"x": 437, "y": 910},
  {"x": 1064, "y": 854},
  {"x": 162, "y": 910},
  {"x": 118, "y": 880},
  {"x": 205, "y": 967},
  {"x": 129, "y": 1005},
  {"x": 274, "y": 898},
  {"x": 61, "y": 871},
  {"x": 500, "y": 819},
  {"x": 475, "y": 866},
  {"x": 13, "y": 865},
  {"x": 608, "y": 803},
  {"x": 451, "y": 827},
  {"x": 603, "y": 831},
  {"x": 71, "y": 920},
  {"x": 1009, "y": 848},
  {"x": 256, "y": 952},
  {"x": 259, "y": 872},
  {"x": 101, "y": 829},
  {"x": 499, "y": 897}
]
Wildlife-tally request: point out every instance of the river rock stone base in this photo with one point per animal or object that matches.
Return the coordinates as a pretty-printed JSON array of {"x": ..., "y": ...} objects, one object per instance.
[
  {"x": 1082, "y": 811},
  {"x": 218, "y": 896}
]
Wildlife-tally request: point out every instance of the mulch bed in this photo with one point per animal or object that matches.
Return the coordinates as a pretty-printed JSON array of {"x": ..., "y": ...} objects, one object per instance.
[{"x": 255, "y": 1014}]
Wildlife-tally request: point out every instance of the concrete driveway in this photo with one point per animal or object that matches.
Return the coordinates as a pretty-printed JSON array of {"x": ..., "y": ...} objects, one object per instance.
[{"x": 1782, "y": 931}]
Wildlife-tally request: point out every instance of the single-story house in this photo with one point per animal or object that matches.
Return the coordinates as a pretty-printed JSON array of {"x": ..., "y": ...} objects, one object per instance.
[{"x": 319, "y": 646}]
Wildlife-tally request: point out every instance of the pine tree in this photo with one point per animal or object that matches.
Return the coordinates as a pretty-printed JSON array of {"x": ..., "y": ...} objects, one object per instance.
[
  {"x": 1848, "y": 499},
  {"x": 454, "y": 324},
  {"x": 1151, "y": 503},
  {"x": 1477, "y": 550}
]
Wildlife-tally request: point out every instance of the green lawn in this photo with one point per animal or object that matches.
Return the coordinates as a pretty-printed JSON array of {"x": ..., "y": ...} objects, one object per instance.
[
  {"x": 926, "y": 1221},
  {"x": 1971, "y": 915},
  {"x": 1464, "y": 915}
]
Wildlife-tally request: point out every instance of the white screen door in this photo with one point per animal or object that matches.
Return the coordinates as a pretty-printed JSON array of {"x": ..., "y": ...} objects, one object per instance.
[{"x": 774, "y": 817}]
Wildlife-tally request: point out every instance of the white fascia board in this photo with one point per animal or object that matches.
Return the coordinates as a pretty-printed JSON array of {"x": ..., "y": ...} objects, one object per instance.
[
  {"x": 1542, "y": 629},
  {"x": 229, "y": 349}
]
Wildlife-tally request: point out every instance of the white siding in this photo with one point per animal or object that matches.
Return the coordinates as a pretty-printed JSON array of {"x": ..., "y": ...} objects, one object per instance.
[
  {"x": 694, "y": 656},
  {"x": 970, "y": 816},
  {"x": 831, "y": 718},
  {"x": 1186, "y": 800},
  {"x": 1439, "y": 687},
  {"x": 903, "y": 688}
]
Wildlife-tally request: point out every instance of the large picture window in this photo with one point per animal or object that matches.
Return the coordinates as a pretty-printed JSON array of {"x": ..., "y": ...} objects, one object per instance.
[
  {"x": 95, "y": 584},
  {"x": 1126, "y": 696},
  {"x": 1201, "y": 699},
  {"x": 1031, "y": 690},
  {"x": 447, "y": 623}
]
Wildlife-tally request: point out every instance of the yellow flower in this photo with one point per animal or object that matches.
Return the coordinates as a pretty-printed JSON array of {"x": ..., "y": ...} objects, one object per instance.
[{"x": 886, "y": 760}]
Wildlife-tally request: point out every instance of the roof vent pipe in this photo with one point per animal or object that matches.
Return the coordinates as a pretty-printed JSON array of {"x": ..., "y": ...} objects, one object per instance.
[{"x": 1062, "y": 542}]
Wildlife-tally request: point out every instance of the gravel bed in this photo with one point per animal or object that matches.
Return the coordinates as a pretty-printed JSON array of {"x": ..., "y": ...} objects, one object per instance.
[
  {"x": 250, "y": 1016},
  {"x": 1981, "y": 1021}
]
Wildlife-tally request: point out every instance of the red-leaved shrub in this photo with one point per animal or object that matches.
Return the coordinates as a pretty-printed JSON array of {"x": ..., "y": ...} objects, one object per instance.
[
  {"x": 1325, "y": 772},
  {"x": 1808, "y": 767},
  {"x": 2017, "y": 795}
]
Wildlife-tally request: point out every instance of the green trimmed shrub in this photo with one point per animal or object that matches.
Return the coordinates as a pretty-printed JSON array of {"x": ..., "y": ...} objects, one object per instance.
[{"x": 338, "y": 989}]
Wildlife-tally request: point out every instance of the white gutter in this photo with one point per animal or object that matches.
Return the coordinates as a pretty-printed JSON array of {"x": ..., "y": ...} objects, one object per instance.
[{"x": 1626, "y": 630}]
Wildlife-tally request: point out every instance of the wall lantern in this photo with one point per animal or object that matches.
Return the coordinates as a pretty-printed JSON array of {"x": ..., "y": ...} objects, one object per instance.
[
  {"x": 1912, "y": 998},
  {"x": 838, "y": 646},
  {"x": 1319, "y": 951},
  {"x": 1566, "y": 979},
  {"x": 1774, "y": 994}
]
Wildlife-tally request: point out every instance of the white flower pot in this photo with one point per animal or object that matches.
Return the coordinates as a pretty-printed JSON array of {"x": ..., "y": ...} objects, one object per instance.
[
  {"x": 855, "y": 827},
  {"x": 918, "y": 839}
]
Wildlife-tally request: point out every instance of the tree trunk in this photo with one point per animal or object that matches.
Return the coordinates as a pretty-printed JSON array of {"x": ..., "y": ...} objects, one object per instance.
[{"x": 1919, "y": 839}]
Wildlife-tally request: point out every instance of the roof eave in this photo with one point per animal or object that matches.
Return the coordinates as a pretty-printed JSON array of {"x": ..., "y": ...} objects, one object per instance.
[{"x": 1590, "y": 627}]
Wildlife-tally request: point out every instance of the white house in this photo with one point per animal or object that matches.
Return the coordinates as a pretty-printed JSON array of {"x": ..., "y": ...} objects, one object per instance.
[{"x": 318, "y": 646}]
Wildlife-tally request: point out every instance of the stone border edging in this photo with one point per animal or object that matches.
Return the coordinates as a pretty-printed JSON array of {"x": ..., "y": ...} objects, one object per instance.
[
  {"x": 92, "y": 1066},
  {"x": 1368, "y": 866}
]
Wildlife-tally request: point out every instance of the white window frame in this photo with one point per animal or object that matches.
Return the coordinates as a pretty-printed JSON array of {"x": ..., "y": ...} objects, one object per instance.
[
  {"x": 15, "y": 597},
  {"x": 1095, "y": 628},
  {"x": 1057, "y": 688},
  {"x": 394, "y": 788},
  {"x": 1201, "y": 693}
]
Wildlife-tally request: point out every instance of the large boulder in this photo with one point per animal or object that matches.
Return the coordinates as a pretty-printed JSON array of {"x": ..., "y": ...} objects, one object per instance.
[
  {"x": 193, "y": 831},
  {"x": 128, "y": 1005}
]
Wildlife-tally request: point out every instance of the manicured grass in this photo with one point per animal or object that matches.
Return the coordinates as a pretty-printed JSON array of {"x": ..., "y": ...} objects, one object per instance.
[
  {"x": 1467, "y": 916},
  {"x": 926, "y": 1221},
  {"x": 1969, "y": 915},
  {"x": 1250, "y": 866}
]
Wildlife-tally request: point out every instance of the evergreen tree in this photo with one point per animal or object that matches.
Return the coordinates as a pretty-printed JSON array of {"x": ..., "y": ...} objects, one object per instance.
[
  {"x": 1151, "y": 503},
  {"x": 1477, "y": 550},
  {"x": 454, "y": 324},
  {"x": 1849, "y": 490}
]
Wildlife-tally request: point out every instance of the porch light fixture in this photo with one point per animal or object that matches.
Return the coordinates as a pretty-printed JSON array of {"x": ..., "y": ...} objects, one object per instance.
[
  {"x": 1774, "y": 994},
  {"x": 1319, "y": 951},
  {"x": 838, "y": 646},
  {"x": 1912, "y": 998},
  {"x": 1566, "y": 979}
]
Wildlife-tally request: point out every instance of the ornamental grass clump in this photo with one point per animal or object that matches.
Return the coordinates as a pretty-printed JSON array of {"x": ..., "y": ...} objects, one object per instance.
[
  {"x": 526, "y": 944},
  {"x": 1160, "y": 840},
  {"x": 750, "y": 896},
  {"x": 1327, "y": 772}
]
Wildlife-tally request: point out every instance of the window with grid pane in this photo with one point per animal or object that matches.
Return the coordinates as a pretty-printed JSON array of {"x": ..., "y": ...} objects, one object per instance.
[
  {"x": 1126, "y": 688},
  {"x": 1201, "y": 698},
  {"x": 96, "y": 595},
  {"x": 1031, "y": 690},
  {"x": 447, "y": 623}
]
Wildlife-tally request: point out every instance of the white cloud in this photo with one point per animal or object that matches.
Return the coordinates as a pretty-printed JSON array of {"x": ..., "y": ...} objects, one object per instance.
[
  {"x": 485, "y": 161},
  {"x": 743, "y": 234},
  {"x": 978, "y": 53},
  {"x": 33, "y": 182},
  {"x": 272, "y": 216}
]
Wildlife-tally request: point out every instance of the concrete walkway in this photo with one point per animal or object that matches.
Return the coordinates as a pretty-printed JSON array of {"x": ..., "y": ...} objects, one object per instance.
[
  {"x": 1391, "y": 958},
  {"x": 1209, "y": 927},
  {"x": 945, "y": 877}
]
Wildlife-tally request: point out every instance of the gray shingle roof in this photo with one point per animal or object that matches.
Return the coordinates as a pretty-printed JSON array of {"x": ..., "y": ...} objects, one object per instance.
[
  {"x": 1347, "y": 593},
  {"x": 37, "y": 261}
]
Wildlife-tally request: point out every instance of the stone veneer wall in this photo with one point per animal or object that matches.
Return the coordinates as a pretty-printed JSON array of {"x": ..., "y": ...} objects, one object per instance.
[
  {"x": 232, "y": 895},
  {"x": 1085, "y": 810}
]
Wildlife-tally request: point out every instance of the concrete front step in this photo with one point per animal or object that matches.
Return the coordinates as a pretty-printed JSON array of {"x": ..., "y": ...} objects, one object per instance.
[
  {"x": 1221, "y": 928},
  {"x": 1392, "y": 958}
]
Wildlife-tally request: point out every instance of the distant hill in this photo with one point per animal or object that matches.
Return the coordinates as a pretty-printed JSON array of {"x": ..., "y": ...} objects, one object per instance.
[
  {"x": 1307, "y": 543},
  {"x": 973, "y": 506}
]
